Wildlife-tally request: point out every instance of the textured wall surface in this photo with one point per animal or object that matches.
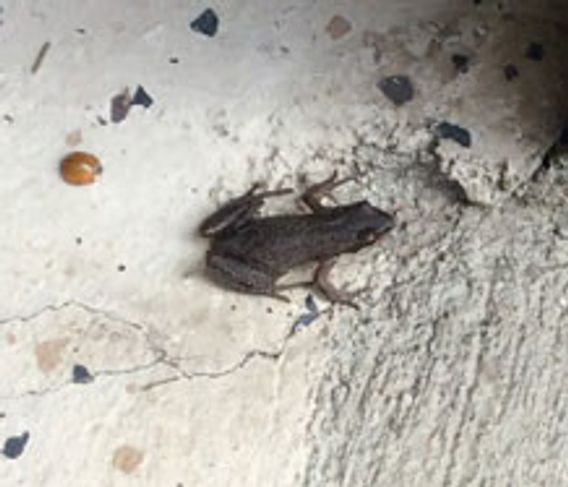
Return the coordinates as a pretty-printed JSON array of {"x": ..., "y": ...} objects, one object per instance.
[{"x": 122, "y": 365}]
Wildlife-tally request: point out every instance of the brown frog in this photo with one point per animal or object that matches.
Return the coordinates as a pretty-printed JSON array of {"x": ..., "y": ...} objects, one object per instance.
[{"x": 249, "y": 253}]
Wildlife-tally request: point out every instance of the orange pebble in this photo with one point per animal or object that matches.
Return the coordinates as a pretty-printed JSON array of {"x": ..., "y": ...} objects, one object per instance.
[{"x": 80, "y": 168}]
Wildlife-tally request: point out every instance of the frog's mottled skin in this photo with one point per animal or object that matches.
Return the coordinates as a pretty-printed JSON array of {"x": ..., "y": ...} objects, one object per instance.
[{"x": 249, "y": 253}]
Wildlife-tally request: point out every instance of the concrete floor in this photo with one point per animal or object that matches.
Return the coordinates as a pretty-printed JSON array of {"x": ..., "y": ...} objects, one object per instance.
[{"x": 122, "y": 365}]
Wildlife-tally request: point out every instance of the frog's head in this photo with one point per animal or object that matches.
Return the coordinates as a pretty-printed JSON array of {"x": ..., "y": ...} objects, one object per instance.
[{"x": 370, "y": 223}]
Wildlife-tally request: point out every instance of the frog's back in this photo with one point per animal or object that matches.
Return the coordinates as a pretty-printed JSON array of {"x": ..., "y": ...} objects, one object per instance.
[{"x": 279, "y": 243}]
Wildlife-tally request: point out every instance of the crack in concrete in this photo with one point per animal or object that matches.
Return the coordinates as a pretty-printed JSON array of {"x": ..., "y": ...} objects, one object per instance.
[
  {"x": 249, "y": 356},
  {"x": 161, "y": 355},
  {"x": 183, "y": 374}
]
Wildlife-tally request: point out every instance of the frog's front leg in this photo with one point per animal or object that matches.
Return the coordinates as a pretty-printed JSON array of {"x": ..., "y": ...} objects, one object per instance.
[
  {"x": 323, "y": 283},
  {"x": 237, "y": 210},
  {"x": 315, "y": 193},
  {"x": 238, "y": 275},
  {"x": 330, "y": 291}
]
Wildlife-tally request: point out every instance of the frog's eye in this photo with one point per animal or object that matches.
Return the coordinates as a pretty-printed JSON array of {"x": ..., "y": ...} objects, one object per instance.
[{"x": 367, "y": 235}]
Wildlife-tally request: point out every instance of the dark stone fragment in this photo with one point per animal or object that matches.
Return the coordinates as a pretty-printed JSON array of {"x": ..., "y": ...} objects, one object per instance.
[
  {"x": 14, "y": 446},
  {"x": 121, "y": 268},
  {"x": 305, "y": 319},
  {"x": 535, "y": 51},
  {"x": 141, "y": 97},
  {"x": 458, "y": 134},
  {"x": 174, "y": 60},
  {"x": 311, "y": 304},
  {"x": 119, "y": 106},
  {"x": 511, "y": 72},
  {"x": 461, "y": 63},
  {"x": 397, "y": 89},
  {"x": 207, "y": 23},
  {"x": 81, "y": 374}
]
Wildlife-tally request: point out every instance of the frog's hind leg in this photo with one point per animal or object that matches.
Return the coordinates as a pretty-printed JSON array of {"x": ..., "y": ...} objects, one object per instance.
[
  {"x": 274, "y": 192},
  {"x": 239, "y": 276},
  {"x": 314, "y": 194},
  {"x": 329, "y": 290},
  {"x": 238, "y": 210}
]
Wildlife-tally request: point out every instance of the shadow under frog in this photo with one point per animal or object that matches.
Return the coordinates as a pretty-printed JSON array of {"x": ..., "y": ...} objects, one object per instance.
[{"x": 249, "y": 253}]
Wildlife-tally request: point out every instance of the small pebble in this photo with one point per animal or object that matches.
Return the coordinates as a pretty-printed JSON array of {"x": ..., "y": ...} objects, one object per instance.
[
  {"x": 207, "y": 23},
  {"x": 121, "y": 268},
  {"x": 81, "y": 374},
  {"x": 119, "y": 106},
  {"x": 174, "y": 60},
  {"x": 461, "y": 63},
  {"x": 456, "y": 133},
  {"x": 511, "y": 72},
  {"x": 141, "y": 97},
  {"x": 397, "y": 89},
  {"x": 535, "y": 51},
  {"x": 78, "y": 240},
  {"x": 14, "y": 446}
]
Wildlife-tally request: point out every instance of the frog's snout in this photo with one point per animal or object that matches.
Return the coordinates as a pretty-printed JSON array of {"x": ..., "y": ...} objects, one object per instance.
[
  {"x": 388, "y": 221},
  {"x": 380, "y": 220}
]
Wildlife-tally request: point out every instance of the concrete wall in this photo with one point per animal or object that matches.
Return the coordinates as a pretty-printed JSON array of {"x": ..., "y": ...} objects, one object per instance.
[{"x": 122, "y": 365}]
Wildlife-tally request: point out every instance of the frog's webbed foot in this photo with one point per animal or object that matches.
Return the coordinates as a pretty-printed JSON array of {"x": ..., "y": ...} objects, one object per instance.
[
  {"x": 314, "y": 194},
  {"x": 329, "y": 290}
]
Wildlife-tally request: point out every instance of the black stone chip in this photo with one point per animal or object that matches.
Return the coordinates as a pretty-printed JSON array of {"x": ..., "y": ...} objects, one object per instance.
[
  {"x": 207, "y": 23},
  {"x": 454, "y": 132},
  {"x": 141, "y": 97},
  {"x": 14, "y": 446},
  {"x": 81, "y": 374},
  {"x": 398, "y": 89}
]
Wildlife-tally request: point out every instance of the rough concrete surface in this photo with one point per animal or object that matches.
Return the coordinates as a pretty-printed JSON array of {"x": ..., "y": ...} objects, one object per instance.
[{"x": 122, "y": 365}]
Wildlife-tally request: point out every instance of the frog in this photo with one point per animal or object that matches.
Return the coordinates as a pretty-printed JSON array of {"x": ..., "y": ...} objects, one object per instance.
[{"x": 249, "y": 253}]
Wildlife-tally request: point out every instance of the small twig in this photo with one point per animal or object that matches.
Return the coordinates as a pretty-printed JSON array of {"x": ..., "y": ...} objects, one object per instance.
[{"x": 40, "y": 55}]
